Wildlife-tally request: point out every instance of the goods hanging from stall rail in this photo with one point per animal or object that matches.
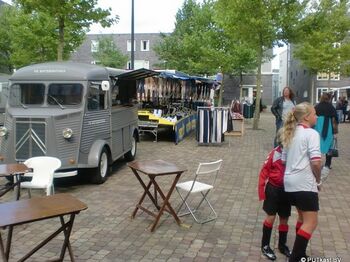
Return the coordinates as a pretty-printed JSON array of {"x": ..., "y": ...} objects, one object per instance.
[{"x": 171, "y": 100}]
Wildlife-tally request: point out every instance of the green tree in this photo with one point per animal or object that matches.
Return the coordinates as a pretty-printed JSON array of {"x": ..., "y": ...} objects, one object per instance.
[
  {"x": 72, "y": 19},
  {"x": 199, "y": 46},
  {"x": 182, "y": 49},
  {"x": 34, "y": 42},
  {"x": 324, "y": 45},
  {"x": 5, "y": 50},
  {"x": 260, "y": 25},
  {"x": 108, "y": 53}
]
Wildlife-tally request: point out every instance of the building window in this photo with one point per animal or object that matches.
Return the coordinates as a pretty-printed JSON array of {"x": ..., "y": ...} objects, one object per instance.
[
  {"x": 94, "y": 46},
  {"x": 335, "y": 76},
  {"x": 139, "y": 64},
  {"x": 322, "y": 76},
  {"x": 144, "y": 45},
  {"x": 325, "y": 76},
  {"x": 129, "y": 45}
]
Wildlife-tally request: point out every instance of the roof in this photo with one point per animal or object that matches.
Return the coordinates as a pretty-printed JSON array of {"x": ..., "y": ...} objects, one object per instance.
[
  {"x": 174, "y": 74},
  {"x": 204, "y": 79},
  {"x": 137, "y": 74},
  {"x": 68, "y": 71}
]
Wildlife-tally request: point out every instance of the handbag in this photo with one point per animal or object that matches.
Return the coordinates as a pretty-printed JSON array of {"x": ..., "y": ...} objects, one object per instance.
[{"x": 333, "y": 151}]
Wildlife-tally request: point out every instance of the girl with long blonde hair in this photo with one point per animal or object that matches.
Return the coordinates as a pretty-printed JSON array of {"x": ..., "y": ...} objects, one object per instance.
[{"x": 301, "y": 153}]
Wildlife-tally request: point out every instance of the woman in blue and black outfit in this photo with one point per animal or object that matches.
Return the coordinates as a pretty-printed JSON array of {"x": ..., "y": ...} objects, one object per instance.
[{"x": 327, "y": 126}]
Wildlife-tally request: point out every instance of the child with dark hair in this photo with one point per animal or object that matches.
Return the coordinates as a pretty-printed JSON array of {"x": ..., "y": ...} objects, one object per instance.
[{"x": 271, "y": 190}]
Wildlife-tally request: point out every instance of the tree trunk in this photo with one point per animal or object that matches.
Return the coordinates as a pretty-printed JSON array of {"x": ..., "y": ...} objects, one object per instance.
[
  {"x": 240, "y": 86},
  {"x": 60, "y": 46},
  {"x": 329, "y": 87},
  {"x": 313, "y": 95},
  {"x": 258, "y": 91},
  {"x": 221, "y": 91}
]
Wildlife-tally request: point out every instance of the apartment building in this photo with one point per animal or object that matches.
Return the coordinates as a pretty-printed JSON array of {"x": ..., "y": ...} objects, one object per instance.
[
  {"x": 309, "y": 86},
  {"x": 144, "y": 56}
]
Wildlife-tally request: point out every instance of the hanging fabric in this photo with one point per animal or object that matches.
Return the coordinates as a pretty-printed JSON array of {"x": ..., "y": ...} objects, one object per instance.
[{"x": 212, "y": 123}]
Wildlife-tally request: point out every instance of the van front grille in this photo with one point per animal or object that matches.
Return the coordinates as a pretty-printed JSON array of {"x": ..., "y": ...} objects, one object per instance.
[{"x": 30, "y": 138}]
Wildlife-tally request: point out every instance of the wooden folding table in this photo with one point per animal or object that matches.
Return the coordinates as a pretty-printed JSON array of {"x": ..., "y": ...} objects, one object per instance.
[
  {"x": 36, "y": 209},
  {"x": 14, "y": 170},
  {"x": 153, "y": 169}
]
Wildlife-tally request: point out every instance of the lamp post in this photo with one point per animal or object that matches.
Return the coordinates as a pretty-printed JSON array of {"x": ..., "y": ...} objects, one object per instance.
[{"x": 132, "y": 36}]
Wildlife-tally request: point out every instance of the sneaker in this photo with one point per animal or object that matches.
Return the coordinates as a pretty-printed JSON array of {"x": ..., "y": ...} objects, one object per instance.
[
  {"x": 284, "y": 250},
  {"x": 268, "y": 252},
  {"x": 324, "y": 173}
]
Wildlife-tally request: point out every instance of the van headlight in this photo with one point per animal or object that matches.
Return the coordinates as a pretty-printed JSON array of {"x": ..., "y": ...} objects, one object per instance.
[
  {"x": 67, "y": 133},
  {"x": 3, "y": 131}
]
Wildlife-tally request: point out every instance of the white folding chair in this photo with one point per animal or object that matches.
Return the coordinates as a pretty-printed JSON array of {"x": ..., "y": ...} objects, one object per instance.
[
  {"x": 44, "y": 168},
  {"x": 205, "y": 171}
]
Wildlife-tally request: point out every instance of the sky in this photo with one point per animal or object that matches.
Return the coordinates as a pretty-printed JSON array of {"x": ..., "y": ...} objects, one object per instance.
[{"x": 150, "y": 16}]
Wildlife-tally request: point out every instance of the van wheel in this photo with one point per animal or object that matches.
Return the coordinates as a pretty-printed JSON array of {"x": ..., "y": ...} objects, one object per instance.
[
  {"x": 102, "y": 171},
  {"x": 130, "y": 156}
]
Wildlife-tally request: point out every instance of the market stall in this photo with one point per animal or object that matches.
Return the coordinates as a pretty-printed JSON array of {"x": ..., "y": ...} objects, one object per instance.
[{"x": 171, "y": 100}]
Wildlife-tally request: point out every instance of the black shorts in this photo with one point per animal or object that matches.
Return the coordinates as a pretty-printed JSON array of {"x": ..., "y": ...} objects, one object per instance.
[
  {"x": 276, "y": 201},
  {"x": 304, "y": 200}
]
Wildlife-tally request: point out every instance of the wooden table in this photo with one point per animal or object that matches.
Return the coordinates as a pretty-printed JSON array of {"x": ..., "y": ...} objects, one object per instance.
[
  {"x": 14, "y": 170},
  {"x": 36, "y": 209},
  {"x": 153, "y": 169}
]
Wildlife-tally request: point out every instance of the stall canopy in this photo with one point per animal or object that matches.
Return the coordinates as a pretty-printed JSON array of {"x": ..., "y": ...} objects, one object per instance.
[
  {"x": 204, "y": 79},
  {"x": 137, "y": 74},
  {"x": 174, "y": 75}
]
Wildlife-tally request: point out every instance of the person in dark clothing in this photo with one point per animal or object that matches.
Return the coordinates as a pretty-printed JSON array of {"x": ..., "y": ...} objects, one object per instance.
[
  {"x": 344, "y": 108},
  {"x": 281, "y": 106},
  {"x": 326, "y": 126}
]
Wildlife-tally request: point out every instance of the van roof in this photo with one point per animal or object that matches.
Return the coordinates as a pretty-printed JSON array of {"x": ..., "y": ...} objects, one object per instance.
[
  {"x": 65, "y": 71},
  {"x": 72, "y": 71}
]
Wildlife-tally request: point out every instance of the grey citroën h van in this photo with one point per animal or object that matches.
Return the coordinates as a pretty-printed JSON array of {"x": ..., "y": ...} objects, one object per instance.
[{"x": 83, "y": 114}]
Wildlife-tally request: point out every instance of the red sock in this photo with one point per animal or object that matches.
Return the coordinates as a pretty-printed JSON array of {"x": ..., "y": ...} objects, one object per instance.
[
  {"x": 304, "y": 234},
  {"x": 298, "y": 226}
]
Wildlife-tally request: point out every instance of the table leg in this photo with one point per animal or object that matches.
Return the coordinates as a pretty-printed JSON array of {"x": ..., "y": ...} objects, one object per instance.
[
  {"x": 67, "y": 226},
  {"x": 67, "y": 231},
  {"x": 165, "y": 201},
  {"x": 18, "y": 183},
  {"x": 146, "y": 191},
  {"x": 8, "y": 242},
  {"x": 2, "y": 250}
]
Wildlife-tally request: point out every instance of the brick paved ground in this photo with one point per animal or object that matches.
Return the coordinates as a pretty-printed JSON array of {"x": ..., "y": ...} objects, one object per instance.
[{"x": 105, "y": 231}]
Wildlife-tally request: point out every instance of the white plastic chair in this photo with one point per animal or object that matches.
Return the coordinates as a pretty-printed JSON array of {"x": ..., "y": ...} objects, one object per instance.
[
  {"x": 44, "y": 168},
  {"x": 208, "y": 171}
]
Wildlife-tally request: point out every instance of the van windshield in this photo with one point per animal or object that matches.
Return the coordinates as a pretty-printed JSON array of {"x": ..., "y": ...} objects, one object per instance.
[
  {"x": 27, "y": 94},
  {"x": 64, "y": 94},
  {"x": 34, "y": 95}
]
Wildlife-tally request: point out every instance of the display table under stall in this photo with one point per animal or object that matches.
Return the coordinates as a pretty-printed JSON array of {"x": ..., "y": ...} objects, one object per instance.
[{"x": 149, "y": 122}]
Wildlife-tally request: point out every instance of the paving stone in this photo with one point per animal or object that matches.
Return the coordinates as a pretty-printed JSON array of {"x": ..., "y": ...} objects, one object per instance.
[{"x": 106, "y": 232}]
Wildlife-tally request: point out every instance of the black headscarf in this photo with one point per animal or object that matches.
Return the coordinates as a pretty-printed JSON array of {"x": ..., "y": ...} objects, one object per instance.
[{"x": 327, "y": 110}]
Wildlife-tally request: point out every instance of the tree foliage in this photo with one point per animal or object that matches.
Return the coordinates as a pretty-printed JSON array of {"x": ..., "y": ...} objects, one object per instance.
[
  {"x": 5, "y": 49},
  {"x": 259, "y": 25},
  {"x": 34, "y": 42},
  {"x": 324, "y": 45},
  {"x": 199, "y": 46},
  {"x": 70, "y": 20},
  {"x": 108, "y": 54}
]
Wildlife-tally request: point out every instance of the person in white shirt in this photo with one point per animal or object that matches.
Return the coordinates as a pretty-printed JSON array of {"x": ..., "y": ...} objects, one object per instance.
[{"x": 302, "y": 177}]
